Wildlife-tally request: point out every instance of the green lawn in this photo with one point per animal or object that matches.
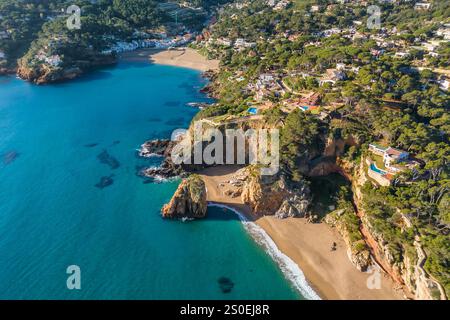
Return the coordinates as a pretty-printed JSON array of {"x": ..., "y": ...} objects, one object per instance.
[{"x": 378, "y": 161}]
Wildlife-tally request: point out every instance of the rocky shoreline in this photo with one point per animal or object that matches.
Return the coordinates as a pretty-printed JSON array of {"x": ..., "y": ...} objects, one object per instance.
[
  {"x": 167, "y": 169},
  {"x": 7, "y": 71},
  {"x": 44, "y": 74}
]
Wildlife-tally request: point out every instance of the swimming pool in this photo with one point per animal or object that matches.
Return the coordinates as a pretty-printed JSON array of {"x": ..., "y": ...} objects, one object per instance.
[
  {"x": 373, "y": 167},
  {"x": 252, "y": 110}
]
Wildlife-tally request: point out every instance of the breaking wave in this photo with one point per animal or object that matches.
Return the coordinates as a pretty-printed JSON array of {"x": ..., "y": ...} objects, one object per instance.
[{"x": 289, "y": 268}]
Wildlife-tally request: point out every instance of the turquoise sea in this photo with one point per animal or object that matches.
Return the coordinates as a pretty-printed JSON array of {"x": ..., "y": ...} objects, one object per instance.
[{"x": 57, "y": 142}]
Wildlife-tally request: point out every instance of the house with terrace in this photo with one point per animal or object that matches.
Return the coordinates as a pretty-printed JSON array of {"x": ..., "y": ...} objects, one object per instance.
[
  {"x": 332, "y": 76},
  {"x": 385, "y": 162},
  {"x": 309, "y": 102}
]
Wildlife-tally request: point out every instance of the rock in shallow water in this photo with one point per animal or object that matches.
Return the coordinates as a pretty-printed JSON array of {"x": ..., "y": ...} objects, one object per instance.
[
  {"x": 189, "y": 201},
  {"x": 109, "y": 160},
  {"x": 9, "y": 157},
  {"x": 225, "y": 284},
  {"x": 105, "y": 182}
]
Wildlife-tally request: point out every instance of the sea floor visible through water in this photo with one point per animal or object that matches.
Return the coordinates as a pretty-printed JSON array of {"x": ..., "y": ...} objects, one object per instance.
[{"x": 70, "y": 194}]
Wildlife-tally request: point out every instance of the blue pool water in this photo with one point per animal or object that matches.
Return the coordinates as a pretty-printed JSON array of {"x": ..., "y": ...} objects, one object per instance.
[
  {"x": 56, "y": 144},
  {"x": 252, "y": 110},
  {"x": 373, "y": 167}
]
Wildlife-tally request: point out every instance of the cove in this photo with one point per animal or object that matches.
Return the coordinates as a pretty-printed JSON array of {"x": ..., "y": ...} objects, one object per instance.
[{"x": 70, "y": 195}]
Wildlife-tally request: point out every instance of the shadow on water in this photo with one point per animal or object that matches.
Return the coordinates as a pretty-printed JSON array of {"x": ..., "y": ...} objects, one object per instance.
[
  {"x": 221, "y": 214},
  {"x": 89, "y": 76}
]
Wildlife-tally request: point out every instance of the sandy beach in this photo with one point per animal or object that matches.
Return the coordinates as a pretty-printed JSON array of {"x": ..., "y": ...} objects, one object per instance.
[
  {"x": 329, "y": 273},
  {"x": 180, "y": 57}
]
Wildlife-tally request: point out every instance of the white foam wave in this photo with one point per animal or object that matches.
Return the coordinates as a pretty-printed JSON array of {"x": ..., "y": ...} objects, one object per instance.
[
  {"x": 161, "y": 179},
  {"x": 289, "y": 268}
]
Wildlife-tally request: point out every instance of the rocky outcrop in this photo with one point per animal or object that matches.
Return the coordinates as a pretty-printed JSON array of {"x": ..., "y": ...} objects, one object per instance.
[
  {"x": 272, "y": 195},
  {"x": 7, "y": 71},
  {"x": 189, "y": 201},
  {"x": 167, "y": 169},
  {"x": 294, "y": 206},
  {"x": 44, "y": 73}
]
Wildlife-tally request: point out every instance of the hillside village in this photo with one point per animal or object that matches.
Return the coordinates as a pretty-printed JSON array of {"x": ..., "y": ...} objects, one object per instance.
[{"x": 280, "y": 86}]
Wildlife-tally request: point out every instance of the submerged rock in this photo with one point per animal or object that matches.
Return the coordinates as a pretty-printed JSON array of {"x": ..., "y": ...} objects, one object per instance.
[
  {"x": 9, "y": 157},
  {"x": 105, "y": 158},
  {"x": 189, "y": 200},
  {"x": 225, "y": 284},
  {"x": 105, "y": 182}
]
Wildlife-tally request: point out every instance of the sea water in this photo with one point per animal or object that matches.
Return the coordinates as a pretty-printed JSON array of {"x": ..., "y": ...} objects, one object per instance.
[{"x": 70, "y": 194}]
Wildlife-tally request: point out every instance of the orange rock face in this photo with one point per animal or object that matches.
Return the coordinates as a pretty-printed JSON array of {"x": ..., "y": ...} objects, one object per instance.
[{"x": 189, "y": 201}]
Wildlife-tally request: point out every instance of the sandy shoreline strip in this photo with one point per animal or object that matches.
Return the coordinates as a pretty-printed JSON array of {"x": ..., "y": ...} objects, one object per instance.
[
  {"x": 329, "y": 273},
  {"x": 179, "y": 57}
]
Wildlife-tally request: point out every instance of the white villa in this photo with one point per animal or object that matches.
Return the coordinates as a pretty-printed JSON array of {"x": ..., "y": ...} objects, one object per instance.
[
  {"x": 422, "y": 6},
  {"x": 444, "y": 32},
  {"x": 444, "y": 84},
  {"x": 54, "y": 60},
  {"x": 331, "y": 76},
  {"x": 391, "y": 156},
  {"x": 241, "y": 43}
]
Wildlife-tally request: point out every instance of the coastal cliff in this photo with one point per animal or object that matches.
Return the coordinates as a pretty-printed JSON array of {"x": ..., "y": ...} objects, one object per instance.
[
  {"x": 43, "y": 73},
  {"x": 189, "y": 201},
  {"x": 403, "y": 262}
]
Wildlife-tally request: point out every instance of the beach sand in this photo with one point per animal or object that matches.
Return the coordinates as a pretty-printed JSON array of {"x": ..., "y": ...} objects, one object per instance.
[
  {"x": 329, "y": 273},
  {"x": 180, "y": 57}
]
